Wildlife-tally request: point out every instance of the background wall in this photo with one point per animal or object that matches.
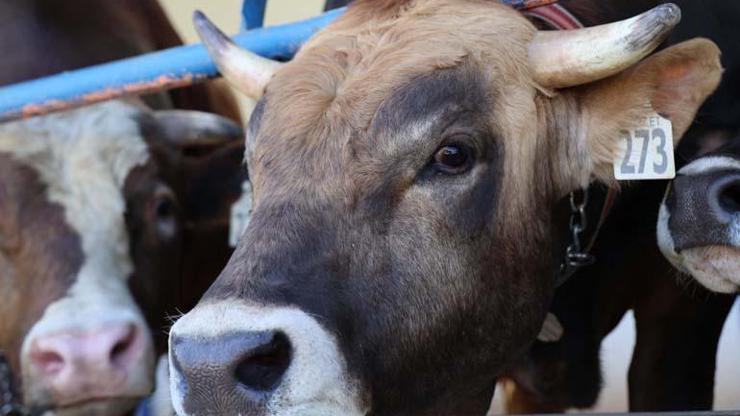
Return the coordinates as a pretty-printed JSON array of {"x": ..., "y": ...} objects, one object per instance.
[{"x": 226, "y": 14}]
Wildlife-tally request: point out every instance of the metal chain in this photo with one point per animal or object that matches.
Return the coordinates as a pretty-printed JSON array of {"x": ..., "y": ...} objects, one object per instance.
[
  {"x": 575, "y": 256},
  {"x": 8, "y": 404}
]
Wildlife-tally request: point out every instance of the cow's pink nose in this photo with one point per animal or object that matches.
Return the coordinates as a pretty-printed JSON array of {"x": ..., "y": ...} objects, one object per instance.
[{"x": 81, "y": 365}]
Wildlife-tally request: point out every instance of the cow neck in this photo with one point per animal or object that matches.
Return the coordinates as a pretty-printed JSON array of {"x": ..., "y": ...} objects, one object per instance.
[{"x": 577, "y": 256}]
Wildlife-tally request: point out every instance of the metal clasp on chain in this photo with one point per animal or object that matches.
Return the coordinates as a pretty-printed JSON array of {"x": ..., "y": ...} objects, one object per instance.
[{"x": 575, "y": 256}]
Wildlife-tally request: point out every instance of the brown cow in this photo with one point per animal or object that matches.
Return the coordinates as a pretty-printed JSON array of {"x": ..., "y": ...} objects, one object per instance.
[
  {"x": 111, "y": 217},
  {"x": 406, "y": 166}
]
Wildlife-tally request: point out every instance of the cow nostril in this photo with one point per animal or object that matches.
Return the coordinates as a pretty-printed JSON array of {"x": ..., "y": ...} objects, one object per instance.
[
  {"x": 729, "y": 198},
  {"x": 263, "y": 369},
  {"x": 120, "y": 350},
  {"x": 49, "y": 361}
]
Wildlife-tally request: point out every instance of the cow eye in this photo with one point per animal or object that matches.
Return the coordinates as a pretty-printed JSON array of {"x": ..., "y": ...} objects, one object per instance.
[
  {"x": 453, "y": 159},
  {"x": 163, "y": 214},
  {"x": 164, "y": 208}
]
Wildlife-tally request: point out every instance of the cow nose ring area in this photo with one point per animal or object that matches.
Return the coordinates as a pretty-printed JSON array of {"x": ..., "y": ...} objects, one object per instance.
[
  {"x": 263, "y": 367},
  {"x": 251, "y": 363},
  {"x": 729, "y": 196}
]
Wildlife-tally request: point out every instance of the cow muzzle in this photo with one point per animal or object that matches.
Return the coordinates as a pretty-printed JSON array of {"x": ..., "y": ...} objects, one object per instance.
[
  {"x": 233, "y": 358},
  {"x": 99, "y": 369},
  {"x": 699, "y": 223}
]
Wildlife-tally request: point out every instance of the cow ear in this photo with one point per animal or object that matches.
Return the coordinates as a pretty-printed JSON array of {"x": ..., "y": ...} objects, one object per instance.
[{"x": 673, "y": 82}]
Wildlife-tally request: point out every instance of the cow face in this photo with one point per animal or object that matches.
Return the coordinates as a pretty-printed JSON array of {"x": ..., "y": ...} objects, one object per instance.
[
  {"x": 401, "y": 251},
  {"x": 91, "y": 214},
  {"x": 699, "y": 223}
]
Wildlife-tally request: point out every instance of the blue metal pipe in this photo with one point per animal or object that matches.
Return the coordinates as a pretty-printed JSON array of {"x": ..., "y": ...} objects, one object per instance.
[
  {"x": 253, "y": 14},
  {"x": 157, "y": 71}
]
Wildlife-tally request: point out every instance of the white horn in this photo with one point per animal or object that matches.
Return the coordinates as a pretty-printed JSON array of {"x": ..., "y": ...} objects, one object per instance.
[
  {"x": 245, "y": 70},
  {"x": 567, "y": 58},
  {"x": 195, "y": 128}
]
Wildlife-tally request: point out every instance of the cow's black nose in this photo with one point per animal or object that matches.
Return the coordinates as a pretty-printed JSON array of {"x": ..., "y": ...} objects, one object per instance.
[
  {"x": 725, "y": 193},
  {"x": 262, "y": 367},
  {"x": 702, "y": 206},
  {"x": 244, "y": 367}
]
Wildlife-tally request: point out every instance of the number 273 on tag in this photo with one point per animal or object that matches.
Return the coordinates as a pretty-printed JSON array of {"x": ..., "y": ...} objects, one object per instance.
[{"x": 647, "y": 151}]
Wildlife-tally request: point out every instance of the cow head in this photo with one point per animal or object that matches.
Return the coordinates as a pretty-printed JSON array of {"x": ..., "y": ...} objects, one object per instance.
[
  {"x": 93, "y": 220},
  {"x": 699, "y": 222},
  {"x": 405, "y": 166}
]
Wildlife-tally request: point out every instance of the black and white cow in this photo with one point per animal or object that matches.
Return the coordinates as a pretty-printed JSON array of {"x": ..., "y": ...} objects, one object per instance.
[{"x": 699, "y": 224}]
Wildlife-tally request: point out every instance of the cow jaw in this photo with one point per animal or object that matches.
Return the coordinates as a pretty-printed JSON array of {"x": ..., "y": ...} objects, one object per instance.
[
  {"x": 315, "y": 383},
  {"x": 83, "y": 158},
  {"x": 108, "y": 407}
]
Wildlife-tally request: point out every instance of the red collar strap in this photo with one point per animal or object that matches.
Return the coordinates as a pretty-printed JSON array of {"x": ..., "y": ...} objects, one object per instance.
[{"x": 555, "y": 16}]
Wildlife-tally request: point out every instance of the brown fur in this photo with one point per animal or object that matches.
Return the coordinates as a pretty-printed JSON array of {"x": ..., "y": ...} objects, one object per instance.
[
  {"x": 341, "y": 76},
  {"x": 336, "y": 83},
  {"x": 25, "y": 267}
]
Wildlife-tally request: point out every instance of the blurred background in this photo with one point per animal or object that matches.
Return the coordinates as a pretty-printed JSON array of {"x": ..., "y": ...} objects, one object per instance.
[
  {"x": 227, "y": 16},
  {"x": 226, "y": 13}
]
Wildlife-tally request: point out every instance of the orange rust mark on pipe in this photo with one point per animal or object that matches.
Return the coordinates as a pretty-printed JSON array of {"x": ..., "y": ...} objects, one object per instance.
[{"x": 161, "y": 83}]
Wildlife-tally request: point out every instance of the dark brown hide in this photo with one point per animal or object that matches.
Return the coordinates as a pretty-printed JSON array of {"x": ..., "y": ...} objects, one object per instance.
[{"x": 32, "y": 275}]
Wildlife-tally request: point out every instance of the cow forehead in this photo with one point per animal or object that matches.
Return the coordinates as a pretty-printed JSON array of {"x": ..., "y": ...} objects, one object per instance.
[
  {"x": 82, "y": 158},
  {"x": 344, "y": 73},
  {"x": 330, "y": 93},
  {"x": 69, "y": 143}
]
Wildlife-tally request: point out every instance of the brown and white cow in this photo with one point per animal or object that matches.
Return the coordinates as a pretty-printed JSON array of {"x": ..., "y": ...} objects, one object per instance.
[
  {"x": 406, "y": 166},
  {"x": 112, "y": 217}
]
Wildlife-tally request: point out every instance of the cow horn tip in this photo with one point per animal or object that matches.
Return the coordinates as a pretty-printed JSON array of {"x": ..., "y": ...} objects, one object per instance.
[
  {"x": 209, "y": 33},
  {"x": 669, "y": 14}
]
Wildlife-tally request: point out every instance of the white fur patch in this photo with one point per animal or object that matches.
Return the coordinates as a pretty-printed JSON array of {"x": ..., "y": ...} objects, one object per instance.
[
  {"x": 709, "y": 164},
  {"x": 734, "y": 232},
  {"x": 665, "y": 239},
  {"x": 316, "y": 383},
  {"x": 161, "y": 402},
  {"x": 717, "y": 267},
  {"x": 83, "y": 157}
]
